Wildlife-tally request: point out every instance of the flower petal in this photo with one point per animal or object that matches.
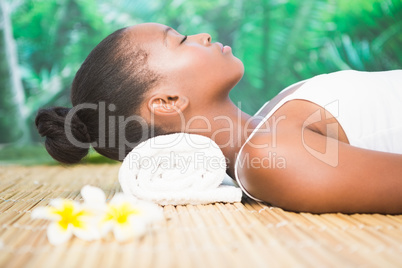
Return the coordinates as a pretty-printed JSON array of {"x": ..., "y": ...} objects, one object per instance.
[
  {"x": 154, "y": 209},
  {"x": 93, "y": 194},
  {"x": 123, "y": 232},
  {"x": 58, "y": 235},
  {"x": 44, "y": 213},
  {"x": 118, "y": 198},
  {"x": 131, "y": 198},
  {"x": 106, "y": 227},
  {"x": 150, "y": 212},
  {"x": 57, "y": 202},
  {"x": 146, "y": 211},
  {"x": 94, "y": 199},
  {"x": 87, "y": 232},
  {"x": 61, "y": 203}
]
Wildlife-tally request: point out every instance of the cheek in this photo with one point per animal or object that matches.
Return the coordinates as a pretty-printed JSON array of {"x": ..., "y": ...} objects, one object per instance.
[
  {"x": 196, "y": 60},
  {"x": 212, "y": 66},
  {"x": 190, "y": 69},
  {"x": 185, "y": 65},
  {"x": 211, "y": 79},
  {"x": 197, "y": 66}
]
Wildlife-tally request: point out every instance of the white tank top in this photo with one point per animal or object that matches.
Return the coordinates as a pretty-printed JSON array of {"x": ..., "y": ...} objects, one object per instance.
[{"x": 368, "y": 106}]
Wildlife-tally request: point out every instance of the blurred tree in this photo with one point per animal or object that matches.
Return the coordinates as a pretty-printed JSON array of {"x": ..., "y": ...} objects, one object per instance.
[
  {"x": 287, "y": 41},
  {"x": 279, "y": 41},
  {"x": 277, "y": 38},
  {"x": 54, "y": 37},
  {"x": 368, "y": 37},
  {"x": 13, "y": 112}
]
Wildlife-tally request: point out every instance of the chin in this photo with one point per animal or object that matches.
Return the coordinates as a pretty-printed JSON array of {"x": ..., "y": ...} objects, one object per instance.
[
  {"x": 239, "y": 70},
  {"x": 239, "y": 66},
  {"x": 232, "y": 75},
  {"x": 236, "y": 76}
]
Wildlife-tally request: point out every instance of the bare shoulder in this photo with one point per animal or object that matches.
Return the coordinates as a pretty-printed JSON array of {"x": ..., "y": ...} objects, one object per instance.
[
  {"x": 302, "y": 170},
  {"x": 265, "y": 167}
]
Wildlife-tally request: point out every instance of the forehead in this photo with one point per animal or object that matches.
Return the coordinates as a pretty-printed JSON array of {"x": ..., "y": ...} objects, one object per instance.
[
  {"x": 150, "y": 36},
  {"x": 147, "y": 33}
]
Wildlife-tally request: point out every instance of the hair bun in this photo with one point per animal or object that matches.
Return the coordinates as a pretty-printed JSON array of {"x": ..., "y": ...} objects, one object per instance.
[{"x": 50, "y": 123}]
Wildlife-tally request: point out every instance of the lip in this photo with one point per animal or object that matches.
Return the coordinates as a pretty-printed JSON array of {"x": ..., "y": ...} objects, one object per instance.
[
  {"x": 220, "y": 45},
  {"x": 226, "y": 49},
  {"x": 223, "y": 48}
]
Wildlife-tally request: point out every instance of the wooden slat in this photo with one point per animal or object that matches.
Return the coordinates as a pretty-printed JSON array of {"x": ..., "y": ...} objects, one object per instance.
[{"x": 247, "y": 234}]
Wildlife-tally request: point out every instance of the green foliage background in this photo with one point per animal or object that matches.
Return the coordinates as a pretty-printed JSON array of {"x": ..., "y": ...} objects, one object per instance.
[{"x": 279, "y": 41}]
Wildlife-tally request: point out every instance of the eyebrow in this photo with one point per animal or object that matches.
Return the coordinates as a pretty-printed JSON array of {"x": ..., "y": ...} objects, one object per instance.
[{"x": 165, "y": 33}]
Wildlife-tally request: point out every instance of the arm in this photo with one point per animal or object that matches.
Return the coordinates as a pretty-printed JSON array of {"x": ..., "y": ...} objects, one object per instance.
[{"x": 363, "y": 181}]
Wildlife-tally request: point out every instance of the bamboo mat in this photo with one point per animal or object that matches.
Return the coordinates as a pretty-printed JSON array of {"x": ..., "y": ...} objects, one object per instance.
[{"x": 246, "y": 234}]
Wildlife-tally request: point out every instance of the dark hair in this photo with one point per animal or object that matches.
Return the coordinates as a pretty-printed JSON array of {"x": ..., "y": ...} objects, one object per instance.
[{"x": 113, "y": 79}]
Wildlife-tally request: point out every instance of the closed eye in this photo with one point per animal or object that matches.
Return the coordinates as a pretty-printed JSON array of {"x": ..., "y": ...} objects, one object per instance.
[{"x": 183, "y": 40}]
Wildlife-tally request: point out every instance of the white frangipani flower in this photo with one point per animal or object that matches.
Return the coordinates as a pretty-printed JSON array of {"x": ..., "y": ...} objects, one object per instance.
[
  {"x": 68, "y": 217},
  {"x": 125, "y": 216},
  {"x": 128, "y": 218}
]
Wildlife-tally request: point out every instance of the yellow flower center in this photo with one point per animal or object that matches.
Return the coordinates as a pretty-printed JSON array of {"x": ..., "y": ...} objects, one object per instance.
[
  {"x": 70, "y": 215},
  {"x": 120, "y": 213}
]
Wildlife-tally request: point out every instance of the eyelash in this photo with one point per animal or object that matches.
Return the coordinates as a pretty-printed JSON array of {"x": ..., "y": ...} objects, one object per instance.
[{"x": 184, "y": 39}]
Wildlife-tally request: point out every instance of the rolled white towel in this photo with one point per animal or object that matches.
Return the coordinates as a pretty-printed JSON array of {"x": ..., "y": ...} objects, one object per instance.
[{"x": 177, "y": 169}]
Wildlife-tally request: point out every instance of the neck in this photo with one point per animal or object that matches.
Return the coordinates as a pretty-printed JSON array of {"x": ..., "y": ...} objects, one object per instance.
[{"x": 230, "y": 128}]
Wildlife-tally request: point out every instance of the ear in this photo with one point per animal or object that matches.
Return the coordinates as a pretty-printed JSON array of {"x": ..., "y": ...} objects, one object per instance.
[{"x": 164, "y": 104}]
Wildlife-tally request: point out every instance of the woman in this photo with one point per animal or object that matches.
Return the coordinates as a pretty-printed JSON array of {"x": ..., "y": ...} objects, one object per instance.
[{"x": 149, "y": 80}]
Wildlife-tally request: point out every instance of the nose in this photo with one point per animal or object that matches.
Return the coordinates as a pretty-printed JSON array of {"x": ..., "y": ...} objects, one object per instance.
[
  {"x": 203, "y": 38},
  {"x": 207, "y": 38}
]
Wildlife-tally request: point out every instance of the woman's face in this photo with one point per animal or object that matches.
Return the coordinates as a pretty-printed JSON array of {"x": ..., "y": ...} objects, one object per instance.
[{"x": 192, "y": 65}]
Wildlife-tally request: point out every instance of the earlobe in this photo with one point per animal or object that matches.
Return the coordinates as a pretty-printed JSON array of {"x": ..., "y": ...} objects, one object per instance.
[{"x": 162, "y": 104}]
